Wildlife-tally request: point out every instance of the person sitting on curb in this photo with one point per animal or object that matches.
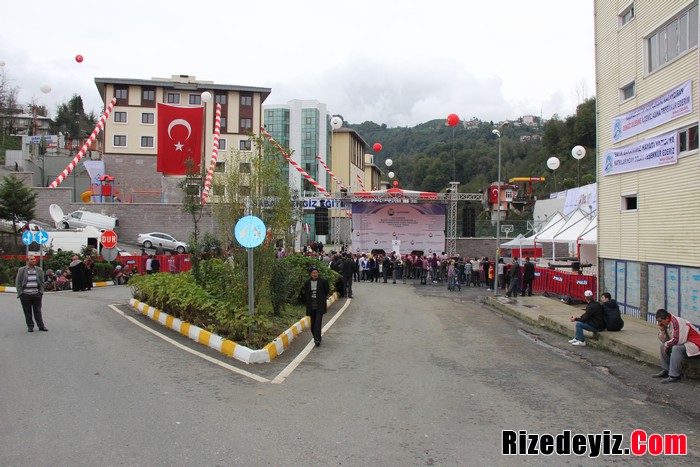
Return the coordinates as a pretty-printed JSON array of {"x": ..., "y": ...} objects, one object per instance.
[
  {"x": 679, "y": 339},
  {"x": 611, "y": 313},
  {"x": 591, "y": 320}
]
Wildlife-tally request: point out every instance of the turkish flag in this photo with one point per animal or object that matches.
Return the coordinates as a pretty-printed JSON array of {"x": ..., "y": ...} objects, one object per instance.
[{"x": 179, "y": 138}]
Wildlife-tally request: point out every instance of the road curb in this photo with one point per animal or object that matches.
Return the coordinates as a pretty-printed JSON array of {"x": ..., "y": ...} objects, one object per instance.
[
  {"x": 8, "y": 289},
  {"x": 226, "y": 346}
]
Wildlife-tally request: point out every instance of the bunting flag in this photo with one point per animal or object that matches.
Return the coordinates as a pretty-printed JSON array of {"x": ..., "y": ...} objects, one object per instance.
[{"x": 179, "y": 138}]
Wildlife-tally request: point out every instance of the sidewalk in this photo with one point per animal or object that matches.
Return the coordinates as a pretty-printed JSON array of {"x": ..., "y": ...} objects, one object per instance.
[{"x": 637, "y": 340}]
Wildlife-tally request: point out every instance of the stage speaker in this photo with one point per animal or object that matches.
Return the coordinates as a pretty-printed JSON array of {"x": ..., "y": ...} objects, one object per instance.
[
  {"x": 469, "y": 222},
  {"x": 321, "y": 220}
]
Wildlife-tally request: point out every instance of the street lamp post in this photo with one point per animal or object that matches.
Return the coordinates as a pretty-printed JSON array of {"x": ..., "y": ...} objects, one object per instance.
[{"x": 498, "y": 216}]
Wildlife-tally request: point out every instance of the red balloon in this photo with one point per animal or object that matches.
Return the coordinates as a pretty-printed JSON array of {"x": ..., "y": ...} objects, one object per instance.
[
  {"x": 452, "y": 119},
  {"x": 79, "y": 58},
  {"x": 377, "y": 147},
  {"x": 396, "y": 183}
]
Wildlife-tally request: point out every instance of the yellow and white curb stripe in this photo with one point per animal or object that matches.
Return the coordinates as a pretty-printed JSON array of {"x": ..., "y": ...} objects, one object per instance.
[
  {"x": 8, "y": 289},
  {"x": 225, "y": 346}
]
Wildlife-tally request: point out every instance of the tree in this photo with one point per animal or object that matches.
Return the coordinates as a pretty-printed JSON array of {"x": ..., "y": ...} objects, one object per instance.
[
  {"x": 17, "y": 202},
  {"x": 72, "y": 120}
]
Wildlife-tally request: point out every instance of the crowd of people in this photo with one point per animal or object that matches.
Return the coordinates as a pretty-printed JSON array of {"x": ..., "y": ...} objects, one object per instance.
[{"x": 75, "y": 276}]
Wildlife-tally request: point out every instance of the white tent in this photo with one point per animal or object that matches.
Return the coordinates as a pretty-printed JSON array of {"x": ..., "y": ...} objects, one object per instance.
[
  {"x": 550, "y": 229},
  {"x": 590, "y": 235},
  {"x": 519, "y": 241},
  {"x": 576, "y": 224},
  {"x": 588, "y": 244}
]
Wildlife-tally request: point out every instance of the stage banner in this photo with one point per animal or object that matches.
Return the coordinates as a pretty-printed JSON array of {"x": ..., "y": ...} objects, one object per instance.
[
  {"x": 675, "y": 103},
  {"x": 646, "y": 154},
  {"x": 417, "y": 226}
]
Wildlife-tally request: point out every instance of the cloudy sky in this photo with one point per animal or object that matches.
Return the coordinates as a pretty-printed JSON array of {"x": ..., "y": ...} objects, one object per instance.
[{"x": 399, "y": 63}]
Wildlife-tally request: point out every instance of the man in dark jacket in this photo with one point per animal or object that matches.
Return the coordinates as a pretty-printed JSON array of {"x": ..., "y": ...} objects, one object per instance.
[
  {"x": 591, "y": 320},
  {"x": 611, "y": 313},
  {"x": 316, "y": 291},
  {"x": 347, "y": 269},
  {"x": 528, "y": 277}
]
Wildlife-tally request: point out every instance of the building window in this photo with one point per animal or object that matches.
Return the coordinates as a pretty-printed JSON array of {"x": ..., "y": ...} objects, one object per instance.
[
  {"x": 270, "y": 128},
  {"x": 220, "y": 167},
  {"x": 173, "y": 98},
  {"x": 244, "y": 167},
  {"x": 244, "y": 145},
  {"x": 222, "y": 144},
  {"x": 148, "y": 118},
  {"x": 270, "y": 113},
  {"x": 192, "y": 190},
  {"x": 220, "y": 99},
  {"x": 147, "y": 141},
  {"x": 629, "y": 202},
  {"x": 627, "y": 92},
  {"x": 121, "y": 93},
  {"x": 120, "y": 141},
  {"x": 246, "y": 124},
  {"x": 626, "y": 16},
  {"x": 224, "y": 122},
  {"x": 195, "y": 99},
  {"x": 246, "y": 100},
  {"x": 307, "y": 135},
  {"x": 672, "y": 40},
  {"x": 119, "y": 117},
  {"x": 148, "y": 95},
  {"x": 309, "y": 120},
  {"x": 688, "y": 139}
]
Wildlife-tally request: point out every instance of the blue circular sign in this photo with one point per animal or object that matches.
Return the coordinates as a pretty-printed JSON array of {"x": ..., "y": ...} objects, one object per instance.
[{"x": 250, "y": 231}]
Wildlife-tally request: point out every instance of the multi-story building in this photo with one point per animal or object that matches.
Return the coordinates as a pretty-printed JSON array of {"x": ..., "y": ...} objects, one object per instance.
[
  {"x": 131, "y": 132},
  {"x": 648, "y": 168}
]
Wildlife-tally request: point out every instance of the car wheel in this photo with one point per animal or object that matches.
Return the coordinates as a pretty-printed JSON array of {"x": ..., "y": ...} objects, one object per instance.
[
  {"x": 64, "y": 225},
  {"x": 181, "y": 249},
  {"x": 147, "y": 244}
]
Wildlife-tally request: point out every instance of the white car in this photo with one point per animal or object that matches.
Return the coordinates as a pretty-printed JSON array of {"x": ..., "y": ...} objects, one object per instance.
[{"x": 151, "y": 240}]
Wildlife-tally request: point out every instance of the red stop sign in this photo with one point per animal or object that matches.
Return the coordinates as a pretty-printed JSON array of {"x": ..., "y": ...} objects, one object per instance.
[{"x": 108, "y": 239}]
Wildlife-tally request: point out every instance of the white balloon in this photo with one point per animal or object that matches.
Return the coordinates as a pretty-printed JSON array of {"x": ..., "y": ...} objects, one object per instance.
[
  {"x": 391, "y": 174},
  {"x": 553, "y": 163},
  {"x": 336, "y": 122},
  {"x": 2, "y": 63},
  {"x": 388, "y": 162},
  {"x": 206, "y": 96},
  {"x": 45, "y": 88},
  {"x": 578, "y": 152}
]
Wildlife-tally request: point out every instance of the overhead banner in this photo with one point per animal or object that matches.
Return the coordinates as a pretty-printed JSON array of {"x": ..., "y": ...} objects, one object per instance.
[
  {"x": 584, "y": 197},
  {"x": 675, "y": 103},
  {"x": 647, "y": 154},
  {"x": 419, "y": 227}
]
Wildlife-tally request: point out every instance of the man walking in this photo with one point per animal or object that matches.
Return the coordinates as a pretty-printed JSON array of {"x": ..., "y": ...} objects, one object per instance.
[
  {"x": 347, "y": 269},
  {"x": 30, "y": 290},
  {"x": 316, "y": 291}
]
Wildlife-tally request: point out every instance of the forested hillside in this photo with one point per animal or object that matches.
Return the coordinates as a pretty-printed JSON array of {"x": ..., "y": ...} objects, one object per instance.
[{"x": 422, "y": 155}]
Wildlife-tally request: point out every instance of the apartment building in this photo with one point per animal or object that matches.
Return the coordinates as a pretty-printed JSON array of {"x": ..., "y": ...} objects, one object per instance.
[
  {"x": 648, "y": 165},
  {"x": 131, "y": 132}
]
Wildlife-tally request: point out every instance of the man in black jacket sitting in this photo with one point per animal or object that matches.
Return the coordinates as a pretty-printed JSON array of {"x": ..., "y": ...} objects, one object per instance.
[
  {"x": 611, "y": 313},
  {"x": 592, "y": 320}
]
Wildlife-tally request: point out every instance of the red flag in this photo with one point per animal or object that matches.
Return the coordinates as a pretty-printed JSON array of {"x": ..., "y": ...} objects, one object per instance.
[{"x": 179, "y": 138}]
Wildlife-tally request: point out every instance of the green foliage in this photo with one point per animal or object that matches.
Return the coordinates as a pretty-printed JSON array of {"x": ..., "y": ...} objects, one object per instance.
[
  {"x": 423, "y": 154},
  {"x": 17, "y": 201},
  {"x": 297, "y": 267},
  {"x": 59, "y": 260},
  {"x": 8, "y": 270}
]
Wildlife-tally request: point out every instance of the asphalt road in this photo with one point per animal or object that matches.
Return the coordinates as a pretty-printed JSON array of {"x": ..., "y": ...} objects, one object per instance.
[{"x": 408, "y": 375}]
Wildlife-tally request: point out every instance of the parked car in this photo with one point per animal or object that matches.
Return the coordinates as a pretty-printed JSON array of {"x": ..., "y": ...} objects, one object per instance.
[{"x": 151, "y": 240}]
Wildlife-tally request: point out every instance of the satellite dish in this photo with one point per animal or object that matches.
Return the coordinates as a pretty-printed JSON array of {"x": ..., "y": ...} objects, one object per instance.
[
  {"x": 578, "y": 152},
  {"x": 553, "y": 163},
  {"x": 56, "y": 213}
]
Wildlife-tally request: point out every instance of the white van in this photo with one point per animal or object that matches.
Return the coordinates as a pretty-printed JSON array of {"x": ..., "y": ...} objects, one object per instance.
[{"x": 81, "y": 219}]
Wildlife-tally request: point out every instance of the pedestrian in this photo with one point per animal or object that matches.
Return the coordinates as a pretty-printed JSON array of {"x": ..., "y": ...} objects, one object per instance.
[
  {"x": 679, "y": 339},
  {"x": 77, "y": 274},
  {"x": 347, "y": 269},
  {"x": 515, "y": 279},
  {"x": 171, "y": 264},
  {"x": 316, "y": 291},
  {"x": 30, "y": 290},
  {"x": 155, "y": 264},
  {"x": 87, "y": 273},
  {"x": 611, "y": 313},
  {"x": 160, "y": 250},
  {"x": 528, "y": 277},
  {"x": 149, "y": 264},
  {"x": 591, "y": 320}
]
